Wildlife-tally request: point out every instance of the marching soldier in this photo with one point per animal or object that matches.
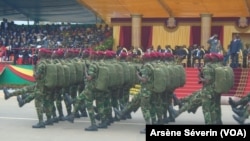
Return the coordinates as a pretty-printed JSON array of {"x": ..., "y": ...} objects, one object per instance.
[
  {"x": 40, "y": 90},
  {"x": 194, "y": 101},
  {"x": 88, "y": 94}
]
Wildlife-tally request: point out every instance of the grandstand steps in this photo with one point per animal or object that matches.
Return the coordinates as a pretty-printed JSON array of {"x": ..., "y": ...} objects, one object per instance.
[
  {"x": 242, "y": 83},
  {"x": 246, "y": 81}
]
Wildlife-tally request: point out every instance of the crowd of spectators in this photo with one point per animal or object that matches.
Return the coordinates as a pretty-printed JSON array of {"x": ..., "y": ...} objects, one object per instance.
[{"x": 22, "y": 40}]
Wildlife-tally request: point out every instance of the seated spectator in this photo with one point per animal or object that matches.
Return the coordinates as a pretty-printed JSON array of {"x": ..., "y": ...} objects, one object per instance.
[
  {"x": 159, "y": 49},
  {"x": 118, "y": 51},
  {"x": 168, "y": 49},
  {"x": 180, "y": 52}
]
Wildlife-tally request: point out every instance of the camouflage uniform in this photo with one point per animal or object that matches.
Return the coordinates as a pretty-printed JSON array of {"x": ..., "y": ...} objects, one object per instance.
[
  {"x": 39, "y": 93},
  {"x": 216, "y": 61},
  {"x": 17, "y": 92},
  {"x": 146, "y": 93},
  {"x": 43, "y": 100},
  {"x": 190, "y": 103},
  {"x": 88, "y": 96},
  {"x": 48, "y": 98},
  {"x": 57, "y": 91},
  {"x": 208, "y": 96},
  {"x": 217, "y": 109},
  {"x": 103, "y": 105}
]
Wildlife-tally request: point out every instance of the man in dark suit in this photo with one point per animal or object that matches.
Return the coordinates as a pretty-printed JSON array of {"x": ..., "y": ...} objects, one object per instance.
[
  {"x": 235, "y": 47},
  {"x": 198, "y": 54}
]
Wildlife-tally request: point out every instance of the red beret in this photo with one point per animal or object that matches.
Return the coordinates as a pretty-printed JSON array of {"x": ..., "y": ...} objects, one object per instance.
[
  {"x": 113, "y": 53},
  {"x": 49, "y": 52},
  {"x": 147, "y": 55},
  {"x": 92, "y": 52},
  {"x": 207, "y": 57},
  {"x": 59, "y": 52},
  {"x": 99, "y": 53},
  {"x": 123, "y": 54},
  {"x": 158, "y": 55},
  {"x": 76, "y": 51},
  {"x": 44, "y": 50},
  {"x": 86, "y": 51},
  {"x": 220, "y": 56},
  {"x": 215, "y": 56},
  {"x": 161, "y": 55},
  {"x": 153, "y": 55},
  {"x": 109, "y": 54},
  {"x": 130, "y": 53},
  {"x": 73, "y": 51},
  {"x": 169, "y": 55}
]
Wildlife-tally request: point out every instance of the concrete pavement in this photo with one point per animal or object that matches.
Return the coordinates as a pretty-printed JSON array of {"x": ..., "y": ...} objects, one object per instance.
[{"x": 16, "y": 122}]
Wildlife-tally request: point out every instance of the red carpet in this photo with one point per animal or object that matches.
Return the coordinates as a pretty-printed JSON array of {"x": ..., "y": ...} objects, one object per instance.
[{"x": 192, "y": 83}]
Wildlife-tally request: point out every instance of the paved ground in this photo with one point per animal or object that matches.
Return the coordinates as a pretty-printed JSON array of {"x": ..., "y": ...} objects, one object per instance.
[{"x": 15, "y": 124}]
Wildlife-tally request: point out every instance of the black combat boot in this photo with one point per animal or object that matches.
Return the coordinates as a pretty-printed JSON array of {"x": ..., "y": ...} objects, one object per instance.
[
  {"x": 61, "y": 116},
  {"x": 23, "y": 96},
  {"x": 128, "y": 116},
  {"x": 192, "y": 110},
  {"x": 235, "y": 104},
  {"x": 239, "y": 112},
  {"x": 116, "y": 117},
  {"x": 55, "y": 119},
  {"x": 83, "y": 112},
  {"x": 103, "y": 124},
  {"x": 177, "y": 101},
  {"x": 7, "y": 94},
  {"x": 232, "y": 103},
  {"x": 92, "y": 127},
  {"x": 171, "y": 117},
  {"x": 240, "y": 120},
  {"x": 20, "y": 101},
  {"x": 39, "y": 125},
  {"x": 77, "y": 115},
  {"x": 49, "y": 122},
  {"x": 174, "y": 113},
  {"x": 119, "y": 114},
  {"x": 110, "y": 121},
  {"x": 70, "y": 118}
]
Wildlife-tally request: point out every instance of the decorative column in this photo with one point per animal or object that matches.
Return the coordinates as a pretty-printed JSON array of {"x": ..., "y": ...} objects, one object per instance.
[
  {"x": 206, "y": 20},
  {"x": 136, "y": 30}
]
